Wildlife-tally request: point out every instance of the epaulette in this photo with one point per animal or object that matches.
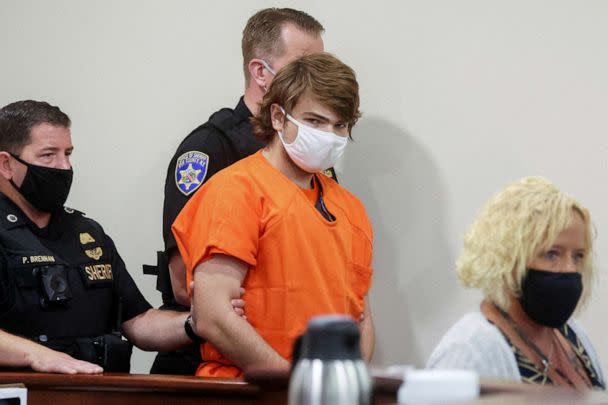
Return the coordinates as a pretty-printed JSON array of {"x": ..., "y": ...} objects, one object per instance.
[{"x": 223, "y": 119}]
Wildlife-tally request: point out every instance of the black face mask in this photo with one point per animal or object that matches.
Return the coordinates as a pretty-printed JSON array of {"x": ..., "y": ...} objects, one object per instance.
[
  {"x": 45, "y": 188},
  {"x": 550, "y": 298}
]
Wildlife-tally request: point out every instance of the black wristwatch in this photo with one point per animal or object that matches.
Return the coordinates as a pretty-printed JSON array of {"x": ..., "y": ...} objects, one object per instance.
[{"x": 190, "y": 332}]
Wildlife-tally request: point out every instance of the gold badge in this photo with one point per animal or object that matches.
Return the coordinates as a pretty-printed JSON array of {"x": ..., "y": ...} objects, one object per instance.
[
  {"x": 86, "y": 238},
  {"x": 94, "y": 253}
]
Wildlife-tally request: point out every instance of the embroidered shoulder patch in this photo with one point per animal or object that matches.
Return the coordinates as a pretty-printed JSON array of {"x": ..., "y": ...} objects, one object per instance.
[
  {"x": 190, "y": 171},
  {"x": 94, "y": 253},
  {"x": 85, "y": 238}
]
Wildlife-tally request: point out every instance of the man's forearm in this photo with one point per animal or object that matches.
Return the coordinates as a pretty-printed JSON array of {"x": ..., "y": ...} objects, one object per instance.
[
  {"x": 156, "y": 330},
  {"x": 217, "y": 281},
  {"x": 16, "y": 351},
  {"x": 366, "y": 328},
  {"x": 240, "y": 342}
]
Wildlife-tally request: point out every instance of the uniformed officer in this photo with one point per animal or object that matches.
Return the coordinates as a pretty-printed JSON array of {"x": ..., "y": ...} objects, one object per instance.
[
  {"x": 272, "y": 38},
  {"x": 65, "y": 294}
]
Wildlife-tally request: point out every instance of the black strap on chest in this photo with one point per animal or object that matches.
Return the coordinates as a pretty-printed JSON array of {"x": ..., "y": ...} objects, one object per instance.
[
  {"x": 163, "y": 278},
  {"x": 320, "y": 204}
]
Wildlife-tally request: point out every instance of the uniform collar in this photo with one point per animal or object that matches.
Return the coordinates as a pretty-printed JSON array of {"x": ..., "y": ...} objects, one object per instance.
[
  {"x": 11, "y": 216},
  {"x": 241, "y": 109}
]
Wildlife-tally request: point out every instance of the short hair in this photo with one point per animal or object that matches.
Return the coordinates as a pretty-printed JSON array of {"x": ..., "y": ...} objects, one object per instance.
[
  {"x": 513, "y": 228},
  {"x": 262, "y": 33},
  {"x": 17, "y": 120},
  {"x": 321, "y": 75}
]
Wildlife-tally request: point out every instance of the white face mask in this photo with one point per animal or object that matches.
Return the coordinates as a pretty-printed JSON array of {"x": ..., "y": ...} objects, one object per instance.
[{"x": 313, "y": 150}]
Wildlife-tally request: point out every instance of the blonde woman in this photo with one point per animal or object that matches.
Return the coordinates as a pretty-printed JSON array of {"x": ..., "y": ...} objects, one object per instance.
[{"x": 530, "y": 252}]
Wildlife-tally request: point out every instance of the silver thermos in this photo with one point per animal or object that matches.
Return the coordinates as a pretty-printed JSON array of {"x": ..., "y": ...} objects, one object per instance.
[{"x": 329, "y": 369}]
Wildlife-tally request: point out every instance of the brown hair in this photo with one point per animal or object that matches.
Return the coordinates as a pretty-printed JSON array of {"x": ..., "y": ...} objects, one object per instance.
[
  {"x": 17, "y": 120},
  {"x": 262, "y": 34},
  {"x": 321, "y": 75}
]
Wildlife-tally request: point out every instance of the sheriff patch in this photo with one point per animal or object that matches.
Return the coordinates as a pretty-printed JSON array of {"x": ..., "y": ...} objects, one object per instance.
[
  {"x": 190, "y": 171},
  {"x": 98, "y": 275}
]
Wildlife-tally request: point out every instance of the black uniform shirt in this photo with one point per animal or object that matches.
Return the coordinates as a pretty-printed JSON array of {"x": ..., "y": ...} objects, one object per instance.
[
  {"x": 223, "y": 140},
  {"x": 98, "y": 278}
]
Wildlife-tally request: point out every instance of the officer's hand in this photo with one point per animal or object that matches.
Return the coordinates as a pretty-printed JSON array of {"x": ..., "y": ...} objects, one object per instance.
[
  {"x": 46, "y": 360},
  {"x": 237, "y": 304}
]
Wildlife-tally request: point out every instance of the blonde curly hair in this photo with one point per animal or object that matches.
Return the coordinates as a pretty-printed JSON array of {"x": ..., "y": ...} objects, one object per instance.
[{"x": 513, "y": 228}]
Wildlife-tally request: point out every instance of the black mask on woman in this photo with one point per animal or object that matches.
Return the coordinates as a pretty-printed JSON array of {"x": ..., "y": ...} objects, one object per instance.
[
  {"x": 549, "y": 298},
  {"x": 45, "y": 188}
]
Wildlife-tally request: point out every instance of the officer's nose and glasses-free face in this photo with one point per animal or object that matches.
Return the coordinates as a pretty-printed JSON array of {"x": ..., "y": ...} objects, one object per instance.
[
  {"x": 50, "y": 146},
  {"x": 42, "y": 173}
]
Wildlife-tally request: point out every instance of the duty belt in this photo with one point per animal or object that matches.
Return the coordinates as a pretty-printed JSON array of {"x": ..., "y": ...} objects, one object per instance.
[{"x": 109, "y": 351}]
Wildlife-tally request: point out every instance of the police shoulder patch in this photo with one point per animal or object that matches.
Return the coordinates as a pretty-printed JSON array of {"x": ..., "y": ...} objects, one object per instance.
[{"x": 190, "y": 171}]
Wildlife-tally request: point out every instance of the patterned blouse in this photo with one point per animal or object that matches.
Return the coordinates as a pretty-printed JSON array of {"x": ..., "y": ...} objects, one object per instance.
[{"x": 531, "y": 374}]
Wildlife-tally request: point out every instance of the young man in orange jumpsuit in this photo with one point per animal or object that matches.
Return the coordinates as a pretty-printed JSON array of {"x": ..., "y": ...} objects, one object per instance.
[{"x": 297, "y": 241}]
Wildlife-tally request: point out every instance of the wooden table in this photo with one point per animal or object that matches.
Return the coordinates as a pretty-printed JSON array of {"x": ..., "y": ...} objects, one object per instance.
[
  {"x": 509, "y": 393},
  {"x": 264, "y": 387},
  {"x": 132, "y": 389}
]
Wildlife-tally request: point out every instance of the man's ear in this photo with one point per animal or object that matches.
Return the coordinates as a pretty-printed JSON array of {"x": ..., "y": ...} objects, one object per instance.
[
  {"x": 6, "y": 170},
  {"x": 257, "y": 73},
  {"x": 277, "y": 117}
]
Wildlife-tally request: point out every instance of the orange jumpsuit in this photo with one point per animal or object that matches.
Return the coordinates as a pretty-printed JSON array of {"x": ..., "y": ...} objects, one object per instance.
[{"x": 300, "y": 264}]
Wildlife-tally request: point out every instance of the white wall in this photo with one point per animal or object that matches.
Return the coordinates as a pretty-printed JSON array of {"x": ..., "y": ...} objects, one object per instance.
[{"x": 459, "y": 97}]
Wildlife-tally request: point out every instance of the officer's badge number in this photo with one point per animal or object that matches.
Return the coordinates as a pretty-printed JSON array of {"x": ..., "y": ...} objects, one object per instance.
[{"x": 190, "y": 171}]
